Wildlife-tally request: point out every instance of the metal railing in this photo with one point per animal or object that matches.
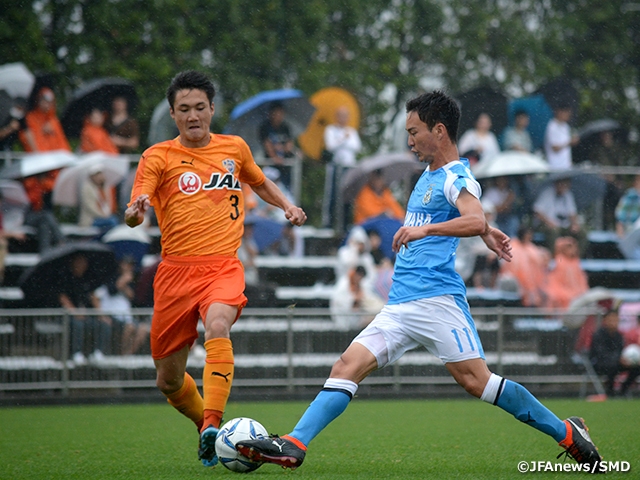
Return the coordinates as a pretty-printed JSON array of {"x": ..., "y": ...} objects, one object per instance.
[{"x": 287, "y": 348}]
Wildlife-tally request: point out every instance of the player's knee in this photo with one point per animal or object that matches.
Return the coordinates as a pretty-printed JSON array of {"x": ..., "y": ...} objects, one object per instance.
[
  {"x": 168, "y": 385},
  {"x": 471, "y": 384}
]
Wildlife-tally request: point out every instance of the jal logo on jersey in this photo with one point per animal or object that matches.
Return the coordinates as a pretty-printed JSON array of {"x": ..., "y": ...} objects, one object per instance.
[{"x": 189, "y": 183}]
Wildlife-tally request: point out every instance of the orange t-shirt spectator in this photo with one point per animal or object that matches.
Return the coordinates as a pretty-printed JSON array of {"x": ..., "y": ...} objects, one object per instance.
[
  {"x": 94, "y": 137},
  {"x": 44, "y": 131},
  {"x": 376, "y": 199}
]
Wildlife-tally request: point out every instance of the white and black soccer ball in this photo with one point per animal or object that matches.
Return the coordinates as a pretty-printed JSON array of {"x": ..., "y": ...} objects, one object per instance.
[
  {"x": 631, "y": 354},
  {"x": 232, "y": 432}
]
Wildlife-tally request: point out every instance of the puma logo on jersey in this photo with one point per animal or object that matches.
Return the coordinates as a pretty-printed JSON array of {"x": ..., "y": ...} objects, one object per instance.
[
  {"x": 189, "y": 163},
  {"x": 219, "y": 181},
  {"x": 218, "y": 374}
]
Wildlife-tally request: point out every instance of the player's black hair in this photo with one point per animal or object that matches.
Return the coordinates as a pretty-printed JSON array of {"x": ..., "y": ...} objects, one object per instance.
[
  {"x": 190, "y": 80},
  {"x": 437, "y": 107}
]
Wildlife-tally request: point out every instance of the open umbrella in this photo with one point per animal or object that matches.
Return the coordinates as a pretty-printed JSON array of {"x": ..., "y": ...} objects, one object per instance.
[
  {"x": 162, "y": 127},
  {"x": 13, "y": 193},
  {"x": 482, "y": 100},
  {"x": 128, "y": 242},
  {"x": 39, "y": 284},
  {"x": 35, "y": 163},
  {"x": 97, "y": 93},
  {"x": 394, "y": 166},
  {"x": 66, "y": 190},
  {"x": 16, "y": 79},
  {"x": 587, "y": 188},
  {"x": 510, "y": 163},
  {"x": 6, "y": 103},
  {"x": 246, "y": 117},
  {"x": 560, "y": 92},
  {"x": 539, "y": 113},
  {"x": 326, "y": 101}
]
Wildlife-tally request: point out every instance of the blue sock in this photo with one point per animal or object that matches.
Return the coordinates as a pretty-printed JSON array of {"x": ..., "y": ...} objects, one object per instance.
[
  {"x": 517, "y": 400},
  {"x": 326, "y": 407}
]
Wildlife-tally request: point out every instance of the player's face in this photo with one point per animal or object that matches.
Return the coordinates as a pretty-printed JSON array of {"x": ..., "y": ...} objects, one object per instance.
[
  {"x": 422, "y": 141},
  {"x": 192, "y": 113}
]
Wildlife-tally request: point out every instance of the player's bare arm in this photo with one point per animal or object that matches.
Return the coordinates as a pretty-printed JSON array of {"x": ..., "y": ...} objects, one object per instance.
[
  {"x": 134, "y": 215},
  {"x": 271, "y": 194},
  {"x": 498, "y": 242},
  {"x": 470, "y": 223}
]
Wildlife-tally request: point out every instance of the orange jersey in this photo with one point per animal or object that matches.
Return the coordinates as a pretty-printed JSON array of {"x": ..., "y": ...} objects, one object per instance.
[{"x": 197, "y": 194}]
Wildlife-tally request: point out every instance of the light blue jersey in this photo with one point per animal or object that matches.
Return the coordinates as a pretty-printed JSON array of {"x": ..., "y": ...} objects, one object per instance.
[{"x": 425, "y": 268}]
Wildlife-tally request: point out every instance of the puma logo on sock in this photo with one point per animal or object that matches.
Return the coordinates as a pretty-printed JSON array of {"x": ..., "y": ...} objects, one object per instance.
[{"x": 218, "y": 374}]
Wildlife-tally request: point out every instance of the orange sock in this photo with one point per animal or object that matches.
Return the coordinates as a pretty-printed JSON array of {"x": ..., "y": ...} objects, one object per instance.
[
  {"x": 188, "y": 401},
  {"x": 217, "y": 379}
]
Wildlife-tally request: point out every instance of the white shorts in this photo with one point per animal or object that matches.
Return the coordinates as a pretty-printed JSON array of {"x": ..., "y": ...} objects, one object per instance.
[{"x": 443, "y": 325}]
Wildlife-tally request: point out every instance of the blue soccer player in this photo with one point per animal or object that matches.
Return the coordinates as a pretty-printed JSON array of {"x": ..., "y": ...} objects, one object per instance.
[{"x": 427, "y": 304}]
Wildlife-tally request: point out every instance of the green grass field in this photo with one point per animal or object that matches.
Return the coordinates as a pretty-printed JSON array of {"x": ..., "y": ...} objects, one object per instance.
[{"x": 413, "y": 439}]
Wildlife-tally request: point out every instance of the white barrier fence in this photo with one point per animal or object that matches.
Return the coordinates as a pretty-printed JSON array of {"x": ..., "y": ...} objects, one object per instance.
[{"x": 274, "y": 348}]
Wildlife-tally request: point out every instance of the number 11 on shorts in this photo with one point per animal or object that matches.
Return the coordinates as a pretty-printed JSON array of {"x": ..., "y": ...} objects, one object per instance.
[{"x": 467, "y": 335}]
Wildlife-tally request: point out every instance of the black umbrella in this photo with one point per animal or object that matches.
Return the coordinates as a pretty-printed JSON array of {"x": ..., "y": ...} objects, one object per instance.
[
  {"x": 41, "y": 283},
  {"x": 6, "y": 103},
  {"x": 560, "y": 93},
  {"x": 98, "y": 93},
  {"x": 482, "y": 100}
]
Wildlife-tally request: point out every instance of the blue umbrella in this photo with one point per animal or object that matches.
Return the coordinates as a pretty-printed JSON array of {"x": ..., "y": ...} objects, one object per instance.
[
  {"x": 385, "y": 227},
  {"x": 266, "y": 232},
  {"x": 246, "y": 117}
]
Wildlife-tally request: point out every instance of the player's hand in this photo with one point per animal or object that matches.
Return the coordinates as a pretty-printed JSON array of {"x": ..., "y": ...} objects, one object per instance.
[
  {"x": 499, "y": 243},
  {"x": 295, "y": 215},
  {"x": 404, "y": 235},
  {"x": 134, "y": 215}
]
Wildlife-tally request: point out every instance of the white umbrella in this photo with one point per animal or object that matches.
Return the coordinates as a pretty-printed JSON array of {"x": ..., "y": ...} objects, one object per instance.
[
  {"x": 121, "y": 233},
  {"x": 66, "y": 190},
  {"x": 586, "y": 301},
  {"x": 16, "y": 79},
  {"x": 510, "y": 163},
  {"x": 14, "y": 193},
  {"x": 394, "y": 166},
  {"x": 35, "y": 163}
]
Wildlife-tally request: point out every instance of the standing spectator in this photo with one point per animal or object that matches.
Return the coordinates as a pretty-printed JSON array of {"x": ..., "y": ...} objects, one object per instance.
[
  {"x": 44, "y": 131},
  {"x": 343, "y": 144},
  {"x": 609, "y": 152},
  {"x": 277, "y": 141},
  {"x": 123, "y": 129},
  {"x": 517, "y": 137},
  {"x": 480, "y": 139},
  {"x": 606, "y": 348},
  {"x": 5, "y": 235},
  {"x": 10, "y": 131},
  {"x": 558, "y": 139},
  {"x": 96, "y": 201},
  {"x": 375, "y": 199},
  {"x": 555, "y": 208},
  {"x": 94, "y": 137}
]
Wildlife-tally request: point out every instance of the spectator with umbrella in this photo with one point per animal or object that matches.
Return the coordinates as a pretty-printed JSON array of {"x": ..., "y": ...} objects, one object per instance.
[
  {"x": 122, "y": 127},
  {"x": 94, "y": 137},
  {"x": 44, "y": 131}
]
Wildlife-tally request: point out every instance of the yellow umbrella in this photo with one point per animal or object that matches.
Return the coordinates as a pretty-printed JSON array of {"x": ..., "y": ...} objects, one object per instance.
[{"x": 326, "y": 101}]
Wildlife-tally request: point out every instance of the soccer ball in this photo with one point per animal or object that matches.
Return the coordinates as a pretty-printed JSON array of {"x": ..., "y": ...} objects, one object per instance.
[
  {"x": 232, "y": 432},
  {"x": 631, "y": 354}
]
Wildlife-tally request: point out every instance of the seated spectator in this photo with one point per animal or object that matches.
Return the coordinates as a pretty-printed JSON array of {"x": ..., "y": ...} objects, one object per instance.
[
  {"x": 115, "y": 299},
  {"x": 480, "y": 138},
  {"x": 375, "y": 199},
  {"x": 356, "y": 251},
  {"x": 267, "y": 210},
  {"x": 247, "y": 254},
  {"x": 94, "y": 137},
  {"x": 123, "y": 129},
  {"x": 567, "y": 280},
  {"x": 5, "y": 235},
  {"x": 44, "y": 131},
  {"x": 555, "y": 209},
  {"x": 96, "y": 201},
  {"x": 605, "y": 353},
  {"x": 516, "y": 137},
  {"x": 528, "y": 269},
  {"x": 503, "y": 196},
  {"x": 628, "y": 209},
  {"x": 353, "y": 303},
  {"x": 143, "y": 297},
  {"x": 75, "y": 297},
  {"x": 40, "y": 215}
]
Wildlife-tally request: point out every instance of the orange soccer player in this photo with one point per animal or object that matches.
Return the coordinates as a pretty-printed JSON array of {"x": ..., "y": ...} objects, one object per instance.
[{"x": 194, "y": 184}]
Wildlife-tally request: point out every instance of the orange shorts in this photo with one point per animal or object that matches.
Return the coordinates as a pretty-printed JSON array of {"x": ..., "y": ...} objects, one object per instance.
[{"x": 183, "y": 290}]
